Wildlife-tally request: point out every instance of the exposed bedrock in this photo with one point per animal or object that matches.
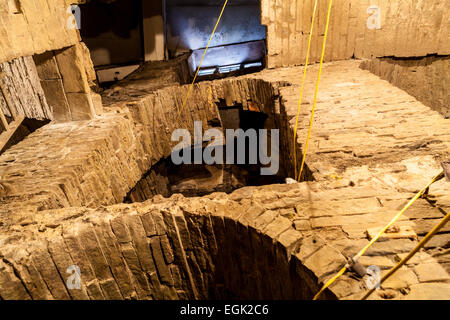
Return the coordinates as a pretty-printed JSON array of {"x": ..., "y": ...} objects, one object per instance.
[
  {"x": 425, "y": 78},
  {"x": 98, "y": 162},
  {"x": 368, "y": 154},
  {"x": 271, "y": 242}
]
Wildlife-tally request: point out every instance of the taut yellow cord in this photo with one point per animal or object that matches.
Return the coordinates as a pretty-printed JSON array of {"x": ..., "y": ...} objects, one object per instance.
[
  {"x": 417, "y": 196},
  {"x": 412, "y": 253},
  {"x": 303, "y": 85},
  {"x": 201, "y": 61},
  {"x": 317, "y": 89}
]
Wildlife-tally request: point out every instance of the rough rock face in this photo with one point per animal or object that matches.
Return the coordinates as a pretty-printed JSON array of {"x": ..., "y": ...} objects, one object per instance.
[
  {"x": 373, "y": 146},
  {"x": 409, "y": 28},
  {"x": 426, "y": 78},
  {"x": 91, "y": 163},
  {"x": 67, "y": 77},
  {"x": 55, "y": 85},
  {"x": 272, "y": 242},
  {"x": 33, "y": 27},
  {"x": 366, "y": 131},
  {"x": 148, "y": 78}
]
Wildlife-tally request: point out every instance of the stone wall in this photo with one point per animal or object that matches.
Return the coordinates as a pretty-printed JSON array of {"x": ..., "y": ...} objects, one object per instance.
[
  {"x": 34, "y": 26},
  {"x": 206, "y": 96},
  {"x": 150, "y": 77},
  {"x": 425, "y": 78},
  {"x": 56, "y": 85},
  {"x": 168, "y": 249},
  {"x": 409, "y": 28},
  {"x": 271, "y": 242},
  {"x": 98, "y": 162},
  {"x": 284, "y": 241},
  {"x": 37, "y": 28},
  {"x": 68, "y": 79}
]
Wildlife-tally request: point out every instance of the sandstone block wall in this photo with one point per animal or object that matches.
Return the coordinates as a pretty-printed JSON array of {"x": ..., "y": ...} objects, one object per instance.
[
  {"x": 271, "y": 242},
  {"x": 409, "y": 28},
  {"x": 176, "y": 249},
  {"x": 283, "y": 241},
  {"x": 426, "y": 79},
  {"x": 366, "y": 130},
  {"x": 30, "y": 27},
  {"x": 206, "y": 96},
  {"x": 98, "y": 162},
  {"x": 67, "y": 76},
  {"x": 34, "y": 27},
  {"x": 56, "y": 85}
]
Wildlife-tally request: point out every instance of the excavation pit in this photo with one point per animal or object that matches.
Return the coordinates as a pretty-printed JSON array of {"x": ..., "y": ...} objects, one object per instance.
[{"x": 254, "y": 144}]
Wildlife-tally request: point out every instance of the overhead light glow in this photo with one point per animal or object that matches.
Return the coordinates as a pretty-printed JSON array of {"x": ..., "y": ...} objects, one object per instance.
[
  {"x": 230, "y": 55},
  {"x": 231, "y": 68},
  {"x": 206, "y": 72}
]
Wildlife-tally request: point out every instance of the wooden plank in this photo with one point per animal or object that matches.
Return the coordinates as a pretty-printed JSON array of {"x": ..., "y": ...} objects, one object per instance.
[
  {"x": 4, "y": 122},
  {"x": 7, "y": 135}
]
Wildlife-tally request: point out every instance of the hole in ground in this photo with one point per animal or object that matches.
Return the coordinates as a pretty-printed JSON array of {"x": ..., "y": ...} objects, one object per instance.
[{"x": 199, "y": 179}]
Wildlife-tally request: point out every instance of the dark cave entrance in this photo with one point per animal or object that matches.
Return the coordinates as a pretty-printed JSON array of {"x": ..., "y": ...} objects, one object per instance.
[{"x": 167, "y": 178}]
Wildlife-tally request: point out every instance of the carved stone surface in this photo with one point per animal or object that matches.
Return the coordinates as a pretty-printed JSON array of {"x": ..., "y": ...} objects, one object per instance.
[
  {"x": 373, "y": 147},
  {"x": 24, "y": 90}
]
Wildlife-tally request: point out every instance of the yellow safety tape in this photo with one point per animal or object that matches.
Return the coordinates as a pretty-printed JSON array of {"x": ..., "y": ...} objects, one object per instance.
[
  {"x": 303, "y": 84},
  {"x": 317, "y": 90},
  {"x": 424, "y": 241},
  {"x": 201, "y": 61},
  {"x": 417, "y": 196}
]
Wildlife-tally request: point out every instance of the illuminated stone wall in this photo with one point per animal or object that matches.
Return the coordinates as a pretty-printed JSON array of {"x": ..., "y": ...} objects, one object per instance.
[{"x": 409, "y": 28}]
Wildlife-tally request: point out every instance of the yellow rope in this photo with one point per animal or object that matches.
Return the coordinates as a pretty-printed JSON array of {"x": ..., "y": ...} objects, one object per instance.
[
  {"x": 317, "y": 89},
  {"x": 201, "y": 61},
  {"x": 303, "y": 84},
  {"x": 417, "y": 196},
  {"x": 412, "y": 253}
]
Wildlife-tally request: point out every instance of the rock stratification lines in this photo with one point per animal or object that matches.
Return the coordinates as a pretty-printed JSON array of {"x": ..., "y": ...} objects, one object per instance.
[{"x": 373, "y": 146}]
